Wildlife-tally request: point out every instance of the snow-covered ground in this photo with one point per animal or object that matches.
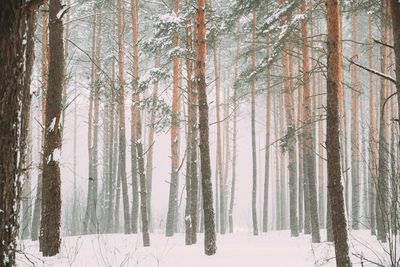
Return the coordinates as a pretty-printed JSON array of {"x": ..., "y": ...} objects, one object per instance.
[{"x": 241, "y": 249}]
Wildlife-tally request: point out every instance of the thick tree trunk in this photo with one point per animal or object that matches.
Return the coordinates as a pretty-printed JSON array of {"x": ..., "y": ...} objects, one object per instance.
[
  {"x": 210, "y": 246},
  {"x": 173, "y": 189},
  {"x": 332, "y": 141},
  {"x": 12, "y": 30},
  {"x": 253, "y": 131},
  {"x": 50, "y": 239},
  {"x": 309, "y": 156}
]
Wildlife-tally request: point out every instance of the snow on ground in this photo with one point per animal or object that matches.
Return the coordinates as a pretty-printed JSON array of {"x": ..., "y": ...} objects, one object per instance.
[{"x": 241, "y": 249}]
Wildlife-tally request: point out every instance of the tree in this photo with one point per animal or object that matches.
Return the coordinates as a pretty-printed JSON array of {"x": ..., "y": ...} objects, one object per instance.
[
  {"x": 309, "y": 157},
  {"x": 25, "y": 145},
  {"x": 134, "y": 114},
  {"x": 44, "y": 66},
  {"x": 13, "y": 17},
  {"x": 253, "y": 131},
  {"x": 382, "y": 183},
  {"x": 395, "y": 11},
  {"x": 355, "y": 148},
  {"x": 267, "y": 136},
  {"x": 50, "y": 239},
  {"x": 234, "y": 139},
  {"x": 210, "y": 247},
  {"x": 287, "y": 71},
  {"x": 372, "y": 132},
  {"x": 89, "y": 225},
  {"x": 122, "y": 130},
  {"x": 332, "y": 139},
  {"x": 173, "y": 190}
]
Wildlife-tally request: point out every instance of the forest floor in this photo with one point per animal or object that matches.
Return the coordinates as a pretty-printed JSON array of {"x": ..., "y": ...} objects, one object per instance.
[{"x": 241, "y": 249}]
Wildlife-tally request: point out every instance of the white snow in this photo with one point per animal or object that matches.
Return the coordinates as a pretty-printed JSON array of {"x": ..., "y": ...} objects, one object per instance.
[
  {"x": 233, "y": 250},
  {"x": 52, "y": 124}
]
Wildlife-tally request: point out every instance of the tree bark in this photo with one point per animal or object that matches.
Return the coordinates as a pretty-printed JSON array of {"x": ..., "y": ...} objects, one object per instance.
[
  {"x": 234, "y": 138},
  {"x": 372, "y": 132},
  {"x": 122, "y": 130},
  {"x": 25, "y": 145},
  {"x": 12, "y": 30},
  {"x": 332, "y": 140},
  {"x": 355, "y": 148},
  {"x": 134, "y": 111},
  {"x": 309, "y": 156},
  {"x": 44, "y": 58},
  {"x": 210, "y": 246},
  {"x": 50, "y": 239},
  {"x": 382, "y": 183},
  {"x": 253, "y": 130},
  {"x": 173, "y": 190},
  {"x": 88, "y": 224}
]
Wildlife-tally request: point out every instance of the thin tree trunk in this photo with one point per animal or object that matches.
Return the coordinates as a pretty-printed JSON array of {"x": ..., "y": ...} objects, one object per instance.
[
  {"x": 134, "y": 114},
  {"x": 300, "y": 147},
  {"x": 173, "y": 190},
  {"x": 234, "y": 138},
  {"x": 121, "y": 110},
  {"x": 382, "y": 183},
  {"x": 372, "y": 131},
  {"x": 355, "y": 152},
  {"x": 88, "y": 225},
  {"x": 309, "y": 156},
  {"x": 287, "y": 69},
  {"x": 253, "y": 131}
]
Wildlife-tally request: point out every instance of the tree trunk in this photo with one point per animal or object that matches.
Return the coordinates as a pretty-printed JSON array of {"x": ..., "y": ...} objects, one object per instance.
[
  {"x": 50, "y": 239},
  {"x": 253, "y": 131},
  {"x": 210, "y": 246},
  {"x": 332, "y": 140},
  {"x": 287, "y": 69},
  {"x": 134, "y": 111},
  {"x": 234, "y": 138},
  {"x": 12, "y": 30},
  {"x": 122, "y": 131},
  {"x": 44, "y": 58},
  {"x": 355, "y": 149},
  {"x": 372, "y": 131},
  {"x": 382, "y": 183},
  {"x": 309, "y": 156},
  {"x": 300, "y": 147},
  {"x": 25, "y": 145},
  {"x": 173, "y": 189},
  {"x": 267, "y": 138},
  {"x": 88, "y": 224}
]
